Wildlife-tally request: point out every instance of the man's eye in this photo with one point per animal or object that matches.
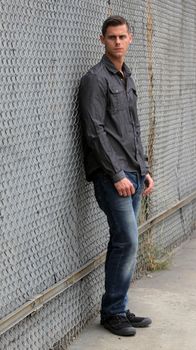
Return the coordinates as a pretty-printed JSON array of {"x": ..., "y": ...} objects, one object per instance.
[{"x": 123, "y": 37}]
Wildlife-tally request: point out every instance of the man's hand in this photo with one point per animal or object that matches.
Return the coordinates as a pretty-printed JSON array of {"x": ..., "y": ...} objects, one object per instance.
[
  {"x": 149, "y": 184},
  {"x": 124, "y": 187}
]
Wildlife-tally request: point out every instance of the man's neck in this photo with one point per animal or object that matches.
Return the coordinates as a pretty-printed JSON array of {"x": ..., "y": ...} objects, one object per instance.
[{"x": 118, "y": 63}]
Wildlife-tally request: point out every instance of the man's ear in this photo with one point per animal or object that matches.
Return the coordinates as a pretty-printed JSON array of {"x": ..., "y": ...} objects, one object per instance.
[
  {"x": 102, "y": 39},
  {"x": 130, "y": 38}
]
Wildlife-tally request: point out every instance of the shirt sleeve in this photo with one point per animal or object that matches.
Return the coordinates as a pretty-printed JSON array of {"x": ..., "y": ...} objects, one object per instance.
[{"x": 92, "y": 105}]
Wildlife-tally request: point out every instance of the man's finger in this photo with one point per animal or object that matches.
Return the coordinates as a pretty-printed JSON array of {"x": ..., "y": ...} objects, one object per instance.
[
  {"x": 148, "y": 190},
  {"x": 132, "y": 189}
]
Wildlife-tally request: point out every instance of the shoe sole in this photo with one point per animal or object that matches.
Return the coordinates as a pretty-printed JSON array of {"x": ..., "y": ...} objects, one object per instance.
[
  {"x": 121, "y": 332},
  {"x": 142, "y": 324}
]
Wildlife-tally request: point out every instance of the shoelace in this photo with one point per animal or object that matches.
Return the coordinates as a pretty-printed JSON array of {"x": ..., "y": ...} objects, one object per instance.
[
  {"x": 130, "y": 315},
  {"x": 120, "y": 318}
]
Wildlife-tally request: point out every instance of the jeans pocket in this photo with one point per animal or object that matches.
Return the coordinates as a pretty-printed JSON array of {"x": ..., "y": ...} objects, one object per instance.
[{"x": 133, "y": 177}]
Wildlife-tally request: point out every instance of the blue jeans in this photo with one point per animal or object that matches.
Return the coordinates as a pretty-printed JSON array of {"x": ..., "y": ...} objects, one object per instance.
[{"x": 120, "y": 262}]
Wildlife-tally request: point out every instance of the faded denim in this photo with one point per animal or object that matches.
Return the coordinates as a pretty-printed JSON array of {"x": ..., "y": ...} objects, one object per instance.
[{"x": 120, "y": 263}]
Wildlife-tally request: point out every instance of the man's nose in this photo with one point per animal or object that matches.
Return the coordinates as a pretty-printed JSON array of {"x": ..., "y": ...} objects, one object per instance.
[{"x": 117, "y": 40}]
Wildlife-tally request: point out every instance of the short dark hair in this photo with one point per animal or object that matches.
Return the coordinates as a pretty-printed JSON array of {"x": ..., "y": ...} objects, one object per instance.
[{"x": 114, "y": 21}]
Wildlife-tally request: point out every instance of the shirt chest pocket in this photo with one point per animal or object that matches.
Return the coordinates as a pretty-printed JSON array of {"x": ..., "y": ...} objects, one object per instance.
[
  {"x": 132, "y": 95},
  {"x": 117, "y": 99}
]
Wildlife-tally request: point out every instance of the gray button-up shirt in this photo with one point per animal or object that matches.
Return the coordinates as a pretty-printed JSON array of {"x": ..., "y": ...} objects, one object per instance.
[{"x": 110, "y": 123}]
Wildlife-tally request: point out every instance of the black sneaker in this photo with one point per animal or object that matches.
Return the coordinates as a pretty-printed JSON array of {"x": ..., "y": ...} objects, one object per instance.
[
  {"x": 138, "y": 322},
  {"x": 119, "y": 325}
]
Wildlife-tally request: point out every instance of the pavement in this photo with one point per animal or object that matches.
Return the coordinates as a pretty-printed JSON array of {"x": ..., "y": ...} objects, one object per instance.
[{"x": 168, "y": 297}]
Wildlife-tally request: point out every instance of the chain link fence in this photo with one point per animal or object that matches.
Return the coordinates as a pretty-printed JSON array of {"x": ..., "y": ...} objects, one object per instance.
[{"x": 51, "y": 226}]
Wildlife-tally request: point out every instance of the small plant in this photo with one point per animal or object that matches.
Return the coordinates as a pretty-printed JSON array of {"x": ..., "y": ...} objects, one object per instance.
[{"x": 152, "y": 258}]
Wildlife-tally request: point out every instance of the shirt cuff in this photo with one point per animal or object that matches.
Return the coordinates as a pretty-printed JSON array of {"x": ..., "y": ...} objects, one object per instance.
[{"x": 118, "y": 176}]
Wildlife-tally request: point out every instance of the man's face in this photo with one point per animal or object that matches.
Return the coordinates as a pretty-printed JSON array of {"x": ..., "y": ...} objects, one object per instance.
[{"x": 116, "y": 40}]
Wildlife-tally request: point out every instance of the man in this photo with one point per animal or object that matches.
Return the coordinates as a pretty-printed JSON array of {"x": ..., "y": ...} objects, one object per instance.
[{"x": 114, "y": 161}]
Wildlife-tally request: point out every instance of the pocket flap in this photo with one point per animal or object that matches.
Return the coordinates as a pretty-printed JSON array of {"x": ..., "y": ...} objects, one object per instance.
[{"x": 116, "y": 89}]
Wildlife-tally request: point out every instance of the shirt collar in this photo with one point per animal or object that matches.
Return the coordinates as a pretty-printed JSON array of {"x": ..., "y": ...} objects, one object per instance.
[{"x": 110, "y": 66}]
